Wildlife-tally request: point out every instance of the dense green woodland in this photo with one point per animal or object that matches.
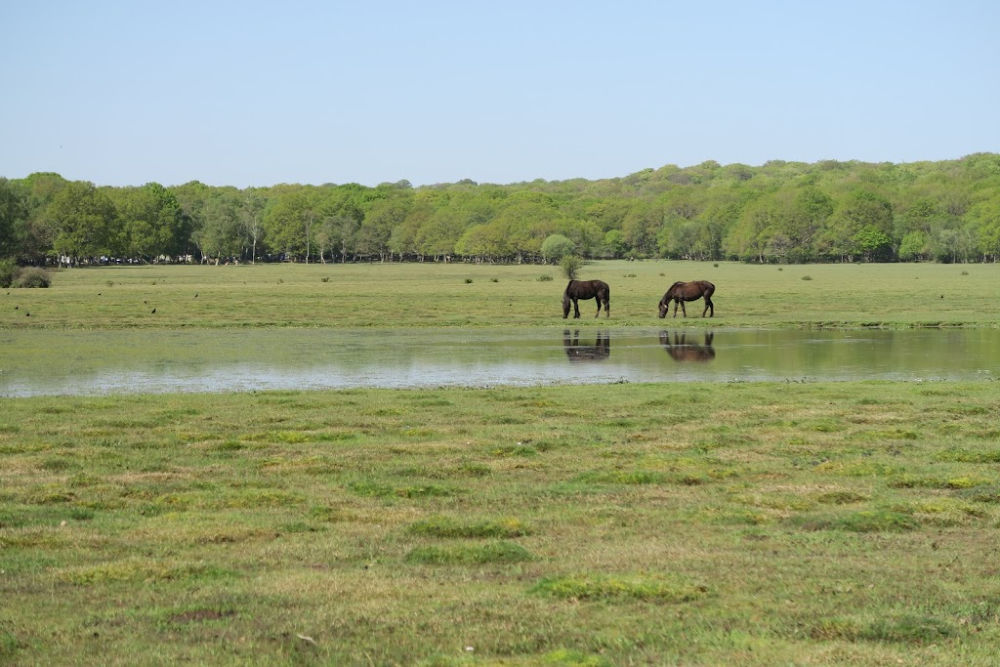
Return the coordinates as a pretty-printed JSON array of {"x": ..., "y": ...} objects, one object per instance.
[{"x": 830, "y": 211}]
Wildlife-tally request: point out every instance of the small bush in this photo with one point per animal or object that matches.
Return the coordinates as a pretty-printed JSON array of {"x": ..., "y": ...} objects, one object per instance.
[
  {"x": 544, "y": 278},
  {"x": 33, "y": 277},
  {"x": 571, "y": 265},
  {"x": 468, "y": 281}
]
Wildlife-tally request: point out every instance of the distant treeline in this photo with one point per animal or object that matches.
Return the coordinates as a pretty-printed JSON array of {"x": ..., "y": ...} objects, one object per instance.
[{"x": 829, "y": 211}]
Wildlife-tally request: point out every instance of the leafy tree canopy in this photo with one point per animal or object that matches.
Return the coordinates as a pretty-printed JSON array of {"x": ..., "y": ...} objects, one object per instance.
[{"x": 778, "y": 212}]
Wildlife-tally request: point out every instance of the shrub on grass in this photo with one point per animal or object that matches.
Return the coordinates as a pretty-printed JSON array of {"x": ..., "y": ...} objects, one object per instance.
[
  {"x": 33, "y": 277},
  {"x": 571, "y": 265}
]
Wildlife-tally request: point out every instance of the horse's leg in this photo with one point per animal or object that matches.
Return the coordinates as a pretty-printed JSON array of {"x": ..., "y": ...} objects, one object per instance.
[
  {"x": 676, "y": 301},
  {"x": 708, "y": 304},
  {"x": 683, "y": 309},
  {"x": 607, "y": 306},
  {"x": 597, "y": 298},
  {"x": 576, "y": 309}
]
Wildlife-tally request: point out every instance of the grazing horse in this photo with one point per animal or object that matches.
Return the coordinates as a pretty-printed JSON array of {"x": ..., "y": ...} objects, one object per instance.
[
  {"x": 575, "y": 352},
  {"x": 681, "y": 350},
  {"x": 680, "y": 292},
  {"x": 587, "y": 289}
]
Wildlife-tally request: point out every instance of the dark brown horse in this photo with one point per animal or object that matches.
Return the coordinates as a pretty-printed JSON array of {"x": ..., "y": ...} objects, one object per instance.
[
  {"x": 587, "y": 289},
  {"x": 680, "y": 292},
  {"x": 681, "y": 350}
]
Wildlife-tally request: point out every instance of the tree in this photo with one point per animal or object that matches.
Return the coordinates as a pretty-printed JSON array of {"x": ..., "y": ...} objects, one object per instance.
[
  {"x": 288, "y": 221},
  {"x": 439, "y": 233},
  {"x": 13, "y": 215},
  {"x": 807, "y": 215},
  {"x": 522, "y": 223},
  {"x": 641, "y": 226},
  {"x": 874, "y": 244},
  {"x": 251, "y": 219},
  {"x": 614, "y": 245},
  {"x": 914, "y": 247},
  {"x": 221, "y": 234},
  {"x": 38, "y": 232},
  {"x": 781, "y": 212},
  {"x": 747, "y": 239},
  {"x": 585, "y": 234},
  {"x": 151, "y": 223},
  {"x": 984, "y": 219},
  {"x": 84, "y": 219},
  {"x": 555, "y": 247},
  {"x": 375, "y": 230}
]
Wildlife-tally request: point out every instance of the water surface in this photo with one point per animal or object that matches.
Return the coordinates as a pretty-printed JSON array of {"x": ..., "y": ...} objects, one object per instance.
[{"x": 94, "y": 363}]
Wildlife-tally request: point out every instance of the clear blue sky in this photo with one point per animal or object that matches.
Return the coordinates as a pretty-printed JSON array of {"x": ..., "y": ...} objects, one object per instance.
[{"x": 251, "y": 93}]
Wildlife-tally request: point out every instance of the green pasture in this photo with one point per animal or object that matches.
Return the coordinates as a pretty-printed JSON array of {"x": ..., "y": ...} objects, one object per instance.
[
  {"x": 414, "y": 295},
  {"x": 694, "y": 523},
  {"x": 839, "y": 523}
]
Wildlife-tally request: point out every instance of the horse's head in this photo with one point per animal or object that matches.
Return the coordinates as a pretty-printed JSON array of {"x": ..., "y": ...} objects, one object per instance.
[
  {"x": 664, "y": 305},
  {"x": 566, "y": 305}
]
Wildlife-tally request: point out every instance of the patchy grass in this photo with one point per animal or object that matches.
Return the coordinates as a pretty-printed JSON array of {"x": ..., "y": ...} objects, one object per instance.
[
  {"x": 475, "y": 554},
  {"x": 370, "y": 295},
  {"x": 619, "y": 588},
  {"x": 225, "y": 528}
]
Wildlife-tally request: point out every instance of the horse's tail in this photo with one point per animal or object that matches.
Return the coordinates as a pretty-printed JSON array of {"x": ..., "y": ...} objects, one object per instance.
[{"x": 566, "y": 291}]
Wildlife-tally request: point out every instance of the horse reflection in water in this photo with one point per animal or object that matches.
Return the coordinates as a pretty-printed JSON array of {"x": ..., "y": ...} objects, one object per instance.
[
  {"x": 599, "y": 351},
  {"x": 680, "y": 350}
]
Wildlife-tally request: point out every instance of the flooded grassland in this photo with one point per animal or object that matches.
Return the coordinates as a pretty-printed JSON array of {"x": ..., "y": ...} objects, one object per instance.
[{"x": 785, "y": 483}]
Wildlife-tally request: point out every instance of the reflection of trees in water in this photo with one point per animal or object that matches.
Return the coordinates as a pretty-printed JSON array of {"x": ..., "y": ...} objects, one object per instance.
[
  {"x": 600, "y": 350},
  {"x": 681, "y": 350}
]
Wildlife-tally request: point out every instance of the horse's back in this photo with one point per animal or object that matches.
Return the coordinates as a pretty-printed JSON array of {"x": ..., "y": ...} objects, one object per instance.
[{"x": 587, "y": 289}]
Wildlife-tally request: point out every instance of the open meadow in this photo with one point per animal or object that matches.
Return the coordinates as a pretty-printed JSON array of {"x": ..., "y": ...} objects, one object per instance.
[
  {"x": 415, "y": 295},
  {"x": 692, "y": 523}
]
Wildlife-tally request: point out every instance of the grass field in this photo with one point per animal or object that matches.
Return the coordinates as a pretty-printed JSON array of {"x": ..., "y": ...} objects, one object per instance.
[
  {"x": 736, "y": 523},
  {"x": 413, "y": 295}
]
